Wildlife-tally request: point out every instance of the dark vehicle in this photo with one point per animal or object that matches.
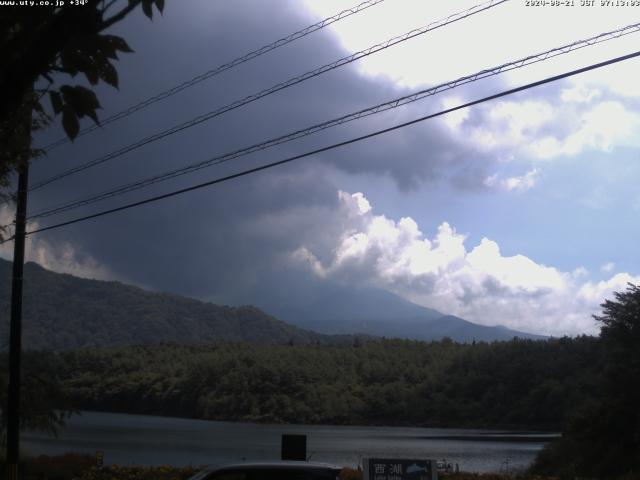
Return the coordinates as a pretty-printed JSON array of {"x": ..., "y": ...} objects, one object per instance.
[{"x": 283, "y": 470}]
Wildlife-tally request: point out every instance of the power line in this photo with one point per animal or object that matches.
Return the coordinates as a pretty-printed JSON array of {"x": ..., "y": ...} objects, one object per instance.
[
  {"x": 280, "y": 86},
  {"x": 531, "y": 59},
  {"x": 222, "y": 68},
  {"x": 337, "y": 145}
]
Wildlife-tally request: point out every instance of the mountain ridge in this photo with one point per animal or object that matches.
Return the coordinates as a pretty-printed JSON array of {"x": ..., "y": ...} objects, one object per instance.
[
  {"x": 62, "y": 312},
  {"x": 350, "y": 310},
  {"x": 70, "y": 312}
]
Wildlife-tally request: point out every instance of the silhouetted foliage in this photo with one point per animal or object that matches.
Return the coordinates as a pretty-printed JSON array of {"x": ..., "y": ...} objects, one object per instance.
[
  {"x": 603, "y": 437},
  {"x": 38, "y": 45}
]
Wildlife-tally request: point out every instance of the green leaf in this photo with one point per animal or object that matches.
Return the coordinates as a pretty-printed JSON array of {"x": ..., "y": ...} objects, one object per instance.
[
  {"x": 109, "y": 74},
  {"x": 81, "y": 100},
  {"x": 146, "y": 8},
  {"x": 70, "y": 98},
  {"x": 88, "y": 97},
  {"x": 88, "y": 102},
  {"x": 93, "y": 116},
  {"x": 56, "y": 101},
  {"x": 106, "y": 48},
  {"x": 70, "y": 122},
  {"x": 160, "y": 5},
  {"x": 69, "y": 62},
  {"x": 118, "y": 43},
  {"x": 67, "y": 94},
  {"x": 92, "y": 73}
]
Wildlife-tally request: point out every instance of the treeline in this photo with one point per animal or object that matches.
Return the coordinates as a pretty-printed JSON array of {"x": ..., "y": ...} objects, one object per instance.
[{"x": 521, "y": 383}]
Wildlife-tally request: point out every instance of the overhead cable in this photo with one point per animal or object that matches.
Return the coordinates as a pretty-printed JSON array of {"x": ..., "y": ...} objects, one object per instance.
[
  {"x": 531, "y": 59},
  {"x": 335, "y": 145},
  {"x": 222, "y": 68},
  {"x": 275, "y": 88}
]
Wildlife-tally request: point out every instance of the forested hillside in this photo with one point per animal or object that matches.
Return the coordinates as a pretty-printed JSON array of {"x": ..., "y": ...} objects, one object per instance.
[
  {"x": 65, "y": 312},
  {"x": 520, "y": 383}
]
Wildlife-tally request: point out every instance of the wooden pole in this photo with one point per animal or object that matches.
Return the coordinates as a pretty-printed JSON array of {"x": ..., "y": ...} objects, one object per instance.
[{"x": 15, "y": 328}]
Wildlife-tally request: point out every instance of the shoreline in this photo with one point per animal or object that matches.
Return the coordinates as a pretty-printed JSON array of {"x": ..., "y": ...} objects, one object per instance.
[{"x": 517, "y": 431}]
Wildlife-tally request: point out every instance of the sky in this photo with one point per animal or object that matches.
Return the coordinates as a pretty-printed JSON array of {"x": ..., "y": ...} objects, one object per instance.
[{"x": 520, "y": 211}]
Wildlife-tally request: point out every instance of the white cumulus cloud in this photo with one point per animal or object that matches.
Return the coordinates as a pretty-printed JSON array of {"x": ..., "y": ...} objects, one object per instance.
[
  {"x": 543, "y": 130},
  {"x": 579, "y": 94},
  {"x": 516, "y": 183},
  {"x": 608, "y": 267},
  {"x": 480, "y": 283}
]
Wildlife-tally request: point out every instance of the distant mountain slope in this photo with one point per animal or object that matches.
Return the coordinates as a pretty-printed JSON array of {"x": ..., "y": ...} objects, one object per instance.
[
  {"x": 63, "y": 312},
  {"x": 332, "y": 309}
]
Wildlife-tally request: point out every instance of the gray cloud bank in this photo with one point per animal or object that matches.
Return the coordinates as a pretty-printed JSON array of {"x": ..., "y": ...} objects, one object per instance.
[{"x": 248, "y": 238}]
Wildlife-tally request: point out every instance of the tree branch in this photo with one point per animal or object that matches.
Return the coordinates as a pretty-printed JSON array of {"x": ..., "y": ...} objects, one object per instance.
[
  {"x": 108, "y": 5},
  {"x": 120, "y": 15}
]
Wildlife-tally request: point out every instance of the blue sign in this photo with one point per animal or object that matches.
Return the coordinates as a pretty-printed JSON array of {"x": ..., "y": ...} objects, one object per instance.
[{"x": 399, "y": 469}]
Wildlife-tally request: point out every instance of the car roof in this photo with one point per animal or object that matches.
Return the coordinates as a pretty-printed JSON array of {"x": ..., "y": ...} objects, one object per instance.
[{"x": 287, "y": 464}]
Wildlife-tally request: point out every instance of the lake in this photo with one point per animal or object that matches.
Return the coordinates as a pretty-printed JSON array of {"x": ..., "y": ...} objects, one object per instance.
[{"x": 149, "y": 440}]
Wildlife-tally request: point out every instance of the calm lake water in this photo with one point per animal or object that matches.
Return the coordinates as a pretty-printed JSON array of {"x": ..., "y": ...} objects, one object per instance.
[{"x": 149, "y": 440}]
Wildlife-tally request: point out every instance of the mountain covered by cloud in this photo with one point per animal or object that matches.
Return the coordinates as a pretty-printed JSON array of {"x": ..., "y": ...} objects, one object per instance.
[
  {"x": 63, "y": 312},
  {"x": 477, "y": 283},
  {"x": 332, "y": 308}
]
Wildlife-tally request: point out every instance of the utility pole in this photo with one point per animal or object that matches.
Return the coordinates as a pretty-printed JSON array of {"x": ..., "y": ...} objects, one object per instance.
[{"x": 15, "y": 328}]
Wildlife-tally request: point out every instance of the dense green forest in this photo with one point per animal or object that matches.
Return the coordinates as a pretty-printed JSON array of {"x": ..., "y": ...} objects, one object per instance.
[
  {"x": 521, "y": 383},
  {"x": 587, "y": 387}
]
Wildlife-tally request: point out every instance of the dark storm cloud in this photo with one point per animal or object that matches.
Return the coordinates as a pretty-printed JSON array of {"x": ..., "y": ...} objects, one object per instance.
[{"x": 231, "y": 238}]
